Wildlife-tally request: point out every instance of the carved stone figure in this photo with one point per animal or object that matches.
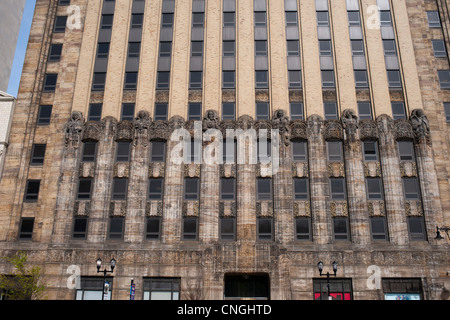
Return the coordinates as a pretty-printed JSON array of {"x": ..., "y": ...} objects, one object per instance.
[
  {"x": 420, "y": 125},
  {"x": 74, "y": 129},
  {"x": 350, "y": 124},
  {"x": 314, "y": 124},
  {"x": 141, "y": 128},
  {"x": 281, "y": 122},
  {"x": 211, "y": 120}
]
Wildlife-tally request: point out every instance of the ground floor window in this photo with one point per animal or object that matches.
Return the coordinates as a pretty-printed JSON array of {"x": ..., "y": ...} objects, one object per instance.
[
  {"x": 247, "y": 286},
  {"x": 340, "y": 289},
  {"x": 162, "y": 289},
  {"x": 402, "y": 289},
  {"x": 91, "y": 288}
]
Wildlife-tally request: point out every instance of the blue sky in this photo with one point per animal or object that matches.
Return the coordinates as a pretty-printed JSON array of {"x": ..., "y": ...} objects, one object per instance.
[{"x": 21, "y": 48}]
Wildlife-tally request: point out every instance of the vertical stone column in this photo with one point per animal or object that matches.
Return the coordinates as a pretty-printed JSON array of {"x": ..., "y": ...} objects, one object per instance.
[
  {"x": 68, "y": 182},
  {"x": 101, "y": 187},
  {"x": 432, "y": 208},
  {"x": 392, "y": 183},
  {"x": 138, "y": 180},
  {"x": 318, "y": 181},
  {"x": 354, "y": 174}
]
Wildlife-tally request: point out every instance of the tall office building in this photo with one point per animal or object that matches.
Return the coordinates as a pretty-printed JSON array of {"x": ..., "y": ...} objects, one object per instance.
[{"x": 334, "y": 121}]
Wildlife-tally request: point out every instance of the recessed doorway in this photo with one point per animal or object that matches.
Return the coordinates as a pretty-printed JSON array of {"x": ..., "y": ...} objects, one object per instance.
[{"x": 247, "y": 287}]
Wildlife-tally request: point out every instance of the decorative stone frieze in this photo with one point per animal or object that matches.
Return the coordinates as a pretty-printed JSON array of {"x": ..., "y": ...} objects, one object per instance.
[
  {"x": 159, "y": 130},
  {"x": 264, "y": 208},
  {"x": 227, "y": 124},
  {"x": 333, "y": 130},
  {"x": 190, "y": 208},
  {"x": 124, "y": 131},
  {"x": 336, "y": 169},
  {"x": 82, "y": 208},
  {"x": 302, "y": 208},
  {"x": 227, "y": 208},
  {"x": 87, "y": 169},
  {"x": 156, "y": 169},
  {"x": 368, "y": 129},
  {"x": 413, "y": 208},
  {"x": 372, "y": 169},
  {"x": 338, "y": 208},
  {"x": 403, "y": 130},
  {"x": 408, "y": 169},
  {"x": 300, "y": 169},
  {"x": 118, "y": 208},
  {"x": 299, "y": 130},
  {"x": 376, "y": 208},
  {"x": 121, "y": 169},
  {"x": 92, "y": 131},
  {"x": 154, "y": 208}
]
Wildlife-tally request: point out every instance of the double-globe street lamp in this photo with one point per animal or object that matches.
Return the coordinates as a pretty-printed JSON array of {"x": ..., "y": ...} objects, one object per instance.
[
  {"x": 320, "y": 267},
  {"x": 99, "y": 265}
]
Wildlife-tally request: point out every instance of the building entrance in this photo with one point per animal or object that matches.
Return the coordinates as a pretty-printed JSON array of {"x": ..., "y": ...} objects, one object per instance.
[{"x": 247, "y": 287}]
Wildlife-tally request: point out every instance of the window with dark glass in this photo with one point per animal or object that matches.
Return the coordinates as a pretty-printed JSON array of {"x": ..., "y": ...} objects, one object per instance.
[
  {"x": 299, "y": 151},
  {"x": 357, "y": 47},
  {"x": 370, "y": 150},
  {"x": 190, "y": 228},
  {"x": 165, "y": 48},
  {"x": 227, "y": 228},
  {"x": 416, "y": 228},
  {"x": 301, "y": 189},
  {"x": 325, "y": 49},
  {"x": 297, "y": 112},
  {"x": 163, "y": 80},
  {"x": 79, "y": 228},
  {"x": 260, "y": 19},
  {"x": 89, "y": 151},
  {"x": 293, "y": 48},
  {"x": 107, "y": 21},
  {"x": 228, "y": 111},
  {"x": 406, "y": 150},
  {"x": 134, "y": 49},
  {"x": 137, "y": 20},
  {"x": 119, "y": 188},
  {"x": 60, "y": 24},
  {"x": 55, "y": 52},
  {"x": 228, "y": 79},
  {"x": 191, "y": 189},
  {"x": 32, "y": 190},
  {"x": 265, "y": 228},
  {"x": 198, "y": 19},
  {"x": 98, "y": 81},
  {"x": 167, "y": 20},
  {"x": 411, "y": 188},
  {"x": 444, "y": 79},
  {"x": 385, "y": 18},
  {"x": 38, "y": 154},
  {"x": 161, "y": 289},
  {"x": 155, "y": 188},
  {"x": 295, "y": 78},
  {"x": 262, "y": 111},
  {"x": 303, "y": 229},
  {"x": 161, "y": 110},
  {"x": 197, "y": 48},
  {"x": 439, "y": 49},
  {"x": 45, "y": 114},
  {"x": 227, "y": 189},
  {"x": 353, "y": 18},
  {"x": 322, "y": 18},
  {"x": 433, "y": 19},
  {"x": 261, "y": 47},
  {"x": 95, "y": 112},
  {"x": 341, "y": 229},
  {"x": 264, "y": 188},
  {"x": 103, "y": 50},
  {"x": 390, "y": 49},
  {"x": 447, "y": 111},
  {"x": 123, "y": 151},
  {"x": 84, "y": 189},
  {"x": 262, "y": 79},
  {"x": 364, "y": 110},
  {"x": 229, "y": 48},
  {"x": 158, "y": 151},
  {"x": 328, "y": 79},
  {"x": 116, "y": 225},
  {"x": 374, "y": 188},
  {"x": 398, "y": 110},
  {"x": 153, "y": 228},
  {"x": 194, "y": 111},
  {"x": 195, "y": 79},
  {"x": 229, "y": 19},
  {"x": 378, "y": 228},
  {"x": 26, "y": 228},
  {"x": 291, "y": 18},
  {"x": 127, "y": 112},
  {"x": 337, "y": 189},
  {"x": 361, "y": 79},
  {"x": 50, "y": 82},
  {"x": 394, "y": 78},
  {"x": 131, "y": 79},
  {"x": 334, "y": 151}
]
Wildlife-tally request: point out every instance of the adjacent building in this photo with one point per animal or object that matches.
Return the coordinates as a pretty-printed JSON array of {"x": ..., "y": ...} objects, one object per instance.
[{"x": 336, "y": 120}]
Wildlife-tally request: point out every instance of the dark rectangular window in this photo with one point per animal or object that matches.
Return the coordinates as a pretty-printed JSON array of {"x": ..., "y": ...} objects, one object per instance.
[
  {"x": 328, "y": 79},
  {"x": 26, "y": 228},
  {"x": 406, "y": 150},
  {"x": 98, "y": 81},
  {"x": 411, "y": 189},
  {"x": 264, "y": 188},
  {"x": 155, "y": 188},
  {"x": 297, "y": 112},
  {"x": 228, "y": 111},
  {"x": 378, "y": 228},
  {"x": 353, "y": 18},
  {"x": 260, "y": 19},
  {"x": 325, "y": 49},
  {"x": 364, "y": 110},
  {"x": 196, "y": 48},
  {"x": 63, "y": 2},
  {"x": 389, "y": 47},
  {"x": 161, "y": 110},
  {"x": 299, "y": 151},
  {"x": 291, "y": 18},
  {"x": 163, "y": 80},
  {"x": 398, "y": 110},
  {"x": 357, "y": 47},
  {"x": 127, "y": 112},
  {"x": 79, "y": 228},
  {"x": 229, "y": 48},
  {"x": 131, "y": 79},
  {"x": 195, "y": 79},
  {"x": 295, "y": 78},
  {"x": 158, "y": 151},
  {"x": 303, "y": 229},
  {"x": 227, "y": 189},
  {"x": 261, "y": 48},
  {"x": 102, "y": 50},
  {"x": 334, "y": 151},
  {"x": 95, "y": 112},
  {"x": 385, "y": 18},
  {"x": 227, "y": 228},
  {"x": 116, "y": 227},
  {"x": 439, "y": 49},
  {"x": 361, "y": 80},
  {"x": 337, "y": 189},
  {"x": 194, "y": 111},
  {"x": 293, "y": 48},
  {"x": 370, "y": 150},
  {"x": 262, "y": 111},
  {"x": 198, "y": 19},
  {"x": 165, "y": 48},
  {"x": 107, "y": 21},
  {"x": 50, "y": 82},
  {"x": 55, "y": 52},
  {"x": 45, "y": 114},
  {"x": 330, "y": 109},
  {"x": 322, "y": 18},
  {"x": 190, "y": 228},
  {"x": 229, "y": 19},
  {"x": 341, "y": 229},
  {"x": 262, "y": 79},
  {"x": 137, "y": 20},
  {"x": 374, "y": 188},
  {"x": 444, "y": 79},
  {"x": 134, "y": 49},
  {"x": 89, "y": 151},
  {"x": 433, "y": 19},
  {"x": 119, "y": 188},
  {"x": 416, "y": 228},
  {"x": 84, "y": 189},
  {"x": 167, "y": 20},
  {"x": 60, "y": 24},
  {"x": 447, "y": 111},
  {"x": 38, "y": 154},
  {"x": 394, "y": 78},
  {"x": 123, "y": 151},
  {"x": 32, "y": 190},
  {"x": 301, "y": 189},
  {"x": 265, "y": 228},
  {"x": 153, "y": 230},
  {"x": 191, "y": 189},
  {"x": 228, "y": 79}
]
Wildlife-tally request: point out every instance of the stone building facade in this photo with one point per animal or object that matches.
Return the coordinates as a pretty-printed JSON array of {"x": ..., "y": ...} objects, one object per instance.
[{"x": 348, "y": 96}]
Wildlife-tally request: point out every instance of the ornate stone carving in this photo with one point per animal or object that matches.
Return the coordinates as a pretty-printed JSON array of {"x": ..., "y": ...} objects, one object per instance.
[
  {"x": 420, "y": 126},
  {"x": 376, "y": 208},
  {"x": 264, "y": 169},
  {"x": 121, "y": 169},
  {"x": 176, "y": 122},
  {"x": 86, "y": 169},
  {"x": 228, "y": 170},
  {"x": 73, "y": 130},
  {"x": 227, "y": 124},
  {"x": 408, "y": 169},
  {"x": 264, "y": 209},
  {"x": 153, "y": 208},
  {"x": 314, "y": 124},
  {"x": 338, "y": 208},
  {"x": 281, "y": 122},
  {"x": 156, "y": 170},
  {"x": 333, "y": 130},
  {"x": 413, "y": 208},
  {"x": 336, "y": 169},
  {"x": 124, "y": 131},
  {"x": 141, "y": 128},
  {"x": 349, "y": 122},
  {"x": 211, "y": 120},
  {"x": 368, "y": 130},
  {"x": 160, "y": 129},
  {"x": 263, "y": 125},
  {"x": 372, "y": 169},
  {"x": 302, "y": 209},
  {"x": 299, "y": 129},
  {"x": 227, "y": 208},
  {"x": 192, "y": 170},
  {"x": 190, "y": 208},
  {"x": 118, "y": 208},
  {"x": 300, "y": 169},
  {"x": 403, "y": 129},
  {"x": 245, "y": 122},
  {"x": 82, "y": 208},
  {"x": 92, "y": 131}
]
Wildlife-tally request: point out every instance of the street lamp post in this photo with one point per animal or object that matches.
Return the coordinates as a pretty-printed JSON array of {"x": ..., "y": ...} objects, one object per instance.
[
  {"x": 320, "y": 267},
  {"x": 99, "y": 264},
  {"x": 438, "y": 233}
]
